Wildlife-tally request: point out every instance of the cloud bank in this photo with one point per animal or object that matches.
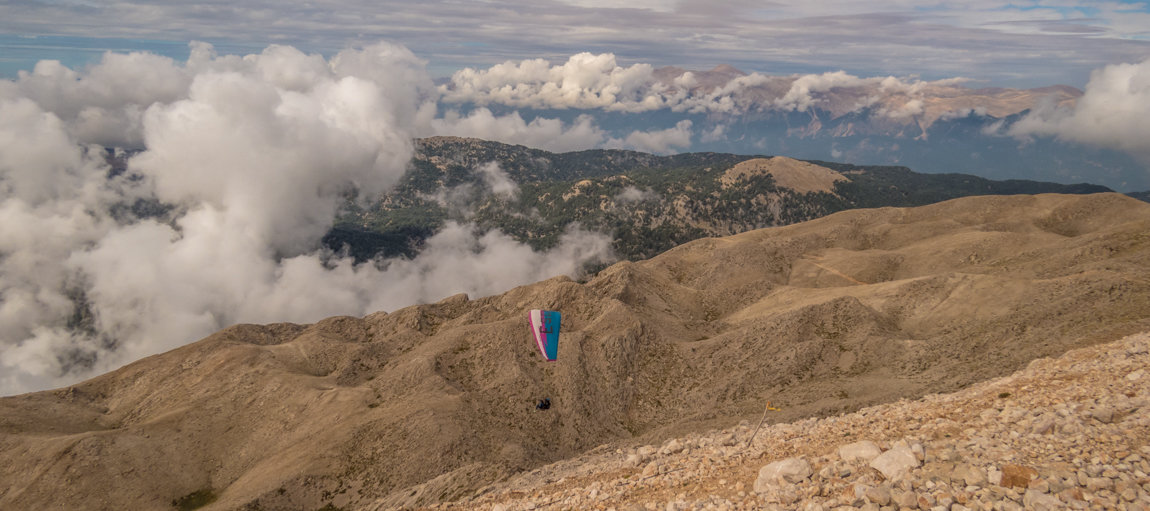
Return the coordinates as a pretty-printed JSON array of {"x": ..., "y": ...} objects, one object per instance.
[
  {"x": 243, "y": 163},
  {"x": 540, "y": 132},
  {"x": 1113, "y": 112},
  {"x": 586, "y": 81}
]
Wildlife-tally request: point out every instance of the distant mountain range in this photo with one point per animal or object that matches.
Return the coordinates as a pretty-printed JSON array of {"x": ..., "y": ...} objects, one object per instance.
[
  {"x": 931, "y": 126},
  {"x": 647, "y": 203}
]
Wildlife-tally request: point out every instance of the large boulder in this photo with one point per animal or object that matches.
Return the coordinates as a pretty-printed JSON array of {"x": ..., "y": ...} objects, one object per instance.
[
  {"x": 864, "y": 450},
  {"x": 895, "y": 463},
  {"x": 790, "y": 470}
]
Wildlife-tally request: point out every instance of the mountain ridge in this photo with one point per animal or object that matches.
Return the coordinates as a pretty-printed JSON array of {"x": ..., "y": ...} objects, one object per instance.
[
  {"x": 347, "y": 411},
  {"x": 646, "y": 203}
]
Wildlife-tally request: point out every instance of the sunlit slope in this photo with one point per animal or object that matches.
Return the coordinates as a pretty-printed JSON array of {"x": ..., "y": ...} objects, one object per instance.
[{"x": 432, "y": 401}]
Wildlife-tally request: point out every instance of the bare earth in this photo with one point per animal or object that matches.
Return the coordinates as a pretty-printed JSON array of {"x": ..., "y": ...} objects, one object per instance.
[
  {"x": 800, "y": 176},
  {"x": 1065, "y": 433},
  {"x": 433, "y": 402}
]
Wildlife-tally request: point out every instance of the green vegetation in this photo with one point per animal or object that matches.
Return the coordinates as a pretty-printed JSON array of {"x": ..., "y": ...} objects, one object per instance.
[{"x": 647, "y": 203}]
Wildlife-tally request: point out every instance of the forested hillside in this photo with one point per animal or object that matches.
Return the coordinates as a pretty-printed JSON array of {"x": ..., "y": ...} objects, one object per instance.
[{"x": 647, "y": 203}]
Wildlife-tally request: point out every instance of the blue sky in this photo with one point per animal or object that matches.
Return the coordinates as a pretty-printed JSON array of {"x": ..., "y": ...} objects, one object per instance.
[{"x": 1012, "y": 44}]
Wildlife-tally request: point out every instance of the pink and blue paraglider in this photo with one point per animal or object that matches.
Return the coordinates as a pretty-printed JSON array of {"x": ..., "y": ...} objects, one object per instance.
[{"x": 545, "y": 328}]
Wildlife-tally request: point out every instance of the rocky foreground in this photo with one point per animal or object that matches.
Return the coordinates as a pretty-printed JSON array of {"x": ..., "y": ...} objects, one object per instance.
[{"x": 1064, "y": 433}]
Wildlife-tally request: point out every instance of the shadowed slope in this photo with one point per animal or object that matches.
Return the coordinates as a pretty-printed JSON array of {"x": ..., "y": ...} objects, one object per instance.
[{"x": 432, "y": 401}]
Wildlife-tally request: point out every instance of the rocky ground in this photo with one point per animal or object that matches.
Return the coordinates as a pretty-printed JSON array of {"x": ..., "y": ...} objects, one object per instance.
[{"x": 1064, "y": 433}]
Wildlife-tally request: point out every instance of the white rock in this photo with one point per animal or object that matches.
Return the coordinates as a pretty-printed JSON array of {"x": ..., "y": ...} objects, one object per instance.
[
  {"x": 895, "y": 463},
  {"x": 1038, "y": 501},
  {"x": 790, "y": 470},
  {"x": 865, "y": 450},
  {"x": 1136, "y": 375},
  {"x": 671, "y": 447},
  {"x": 651, "y": 469}
]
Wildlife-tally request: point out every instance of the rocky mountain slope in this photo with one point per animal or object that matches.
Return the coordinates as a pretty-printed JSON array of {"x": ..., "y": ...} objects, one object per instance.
[
  {"x": 431, "y": 402},
  {"x": 1071, "y": 432}
]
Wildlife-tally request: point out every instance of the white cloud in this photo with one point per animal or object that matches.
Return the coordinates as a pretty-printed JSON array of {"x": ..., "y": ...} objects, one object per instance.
[
  {"x": 802, "y": 94},
  {"x": 588, "y": 81},
  {"x": 657, "y": 141},
  {"x": 906, "y": 110},
  {"x": 461, "y": 200},
  {"x": 543, "y": 133},
  {"x": 1114, "y": 112},
  {"x": 584, "y": 81},
  {"x": 632, "y": 194},
  {"x": 497, "y": 180},
  {"x": 254, "y": 154},
  {"x": 715, "y": 134},
  {"x": 104, "y": 105}
]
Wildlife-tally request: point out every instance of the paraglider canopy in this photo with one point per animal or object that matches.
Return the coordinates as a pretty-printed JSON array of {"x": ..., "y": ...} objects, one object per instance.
[{"x": 545, "y": 329}]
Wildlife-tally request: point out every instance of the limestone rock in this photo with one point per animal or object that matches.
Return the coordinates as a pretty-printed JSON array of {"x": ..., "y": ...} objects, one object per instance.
[
  {"x": 895, "y": 463},
  {"x": 864, "y": 450},
  {"x": 790, "y": 470},
  {"x": 1038, "y": 501},
  {"x": 878, "y": 495}
]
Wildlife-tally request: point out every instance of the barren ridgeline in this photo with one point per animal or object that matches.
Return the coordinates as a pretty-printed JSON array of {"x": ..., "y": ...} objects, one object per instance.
[{"x": 433, "y": 402}]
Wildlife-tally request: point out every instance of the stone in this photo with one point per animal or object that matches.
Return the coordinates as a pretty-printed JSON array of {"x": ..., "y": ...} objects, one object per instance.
[
  {"x": 969, "y": 475},
  {"x": 1043, "y": 426},
  {"x": 895, "y": 463},
  {"x": 1129, "y": 494},
  {"x": 1039, "y": 485},
  {"x": 790, "y": 470},
  {"x": 1071, "y": 495},
  {"x": 1103, "y": 414},
  {"x": 671, "y": 447},
  {"x": 1017, "y": 476},
  {"x": 864, "y": 450},
  {"x": 879, "y": 495},
  {"x": 925, "y": 501},
  {"x": 937, "y": 470},
  {"x": 827, "y": 472},
  {"x": 1099, "y": 483},
  {"x": 1039, "y": 501},
  {"x": 904, "y": 498},
  {"x": 651, "y": 469},
  {"x": 994, "y": 476}
]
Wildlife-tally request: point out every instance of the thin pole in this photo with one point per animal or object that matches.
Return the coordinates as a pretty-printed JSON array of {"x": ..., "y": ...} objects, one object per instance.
[{"x": 761, "y": 421}]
